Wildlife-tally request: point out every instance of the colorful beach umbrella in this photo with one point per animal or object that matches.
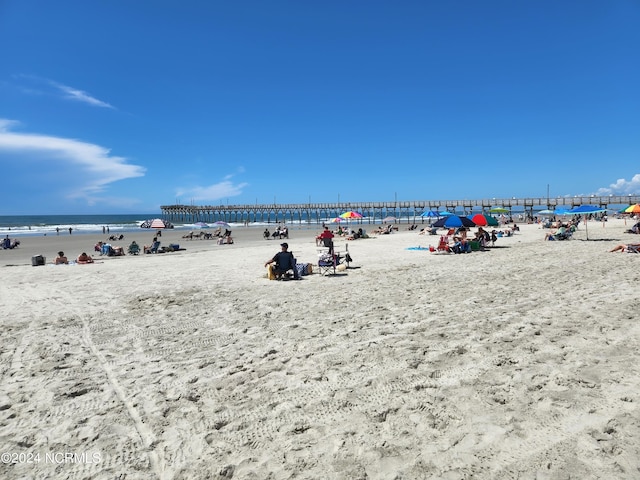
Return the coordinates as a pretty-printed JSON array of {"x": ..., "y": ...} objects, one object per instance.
[
  {"x": 351, "y": 214},
  {"x": 633, "y": 208},
  {"x": 220, "y": 224},
  {"x": 454, "y": 221},
  {"x": 483, "y": 220},
  {"x": 499, "y": 210},
  {"x": 335, "y": 220},
  {"x": 388, "y": 219}
]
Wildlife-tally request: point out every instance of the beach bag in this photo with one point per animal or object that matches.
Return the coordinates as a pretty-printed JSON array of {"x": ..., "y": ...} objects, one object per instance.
[
  {"x": 270, "y": 274},
  {"x": 309, "y": 268},
  {"x": 301, "y": 269},
  {"x": 37, "y": 260}
]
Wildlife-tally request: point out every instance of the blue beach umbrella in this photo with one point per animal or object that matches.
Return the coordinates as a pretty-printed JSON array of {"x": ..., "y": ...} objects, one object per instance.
[
  {"x": 430, "y": 214},
  {"x": 454, "y": 221},
  {"x": 585, "y": 210}
]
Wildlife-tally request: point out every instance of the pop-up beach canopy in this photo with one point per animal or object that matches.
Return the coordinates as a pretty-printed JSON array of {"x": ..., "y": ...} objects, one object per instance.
[{"x": 585, "y": 210}]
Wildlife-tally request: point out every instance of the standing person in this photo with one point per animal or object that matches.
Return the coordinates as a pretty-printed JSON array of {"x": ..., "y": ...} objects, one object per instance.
[
  {"x": 70, "y": 230},
  {"x": 104, "y": 230},
  {"x": 57, "y": 230},
  {"x": 107, "y": 228},
  {"x": 284, "y": 261}
]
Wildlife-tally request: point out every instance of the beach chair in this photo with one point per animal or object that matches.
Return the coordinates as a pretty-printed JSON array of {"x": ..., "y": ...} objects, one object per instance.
[
  {"x": 134, "y": 249},
  {"x": 327, "y": 263},
  {"x": 154, "y": 247},
  {"x": 443, "y": 245}
]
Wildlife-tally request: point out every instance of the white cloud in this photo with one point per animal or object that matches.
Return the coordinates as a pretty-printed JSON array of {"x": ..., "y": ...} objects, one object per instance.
[
  {"x": 41, "y": 86},
  {"x": 211, "y": 193},
  {"x": 90, "y": 167},
  {"x": 79, "y": 95},
  {"x": 622, "y": 187}
]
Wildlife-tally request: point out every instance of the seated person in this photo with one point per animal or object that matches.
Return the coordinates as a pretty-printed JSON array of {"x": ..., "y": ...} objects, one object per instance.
[
  {"x": 461, "y": 245},
  {"x": 154, "y": 246},
  {"x": 6, "y": 243},
  {"x": 134, "y": 248},
  {"x": 61, "y": 259},
  {"x": 635, "y": 229},
  {"x": 98, "y": 247},
  {"x": 284, "y": 232},
  {"x": 629, "y": 247},
  {"x": 284, "y": 261},
  {"x": 266, "y": 234},
  {"x": 325, "y": 238},
  {"x": 84, "y": 258},
  {"x": 559, "y": 234}
]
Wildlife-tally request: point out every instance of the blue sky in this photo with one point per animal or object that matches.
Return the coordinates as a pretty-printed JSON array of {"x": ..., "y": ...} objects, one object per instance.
[{"x": 122, "y": 106}]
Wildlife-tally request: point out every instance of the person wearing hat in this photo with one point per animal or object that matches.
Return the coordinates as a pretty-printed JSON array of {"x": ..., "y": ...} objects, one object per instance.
[{"x": 284, "y": 261}]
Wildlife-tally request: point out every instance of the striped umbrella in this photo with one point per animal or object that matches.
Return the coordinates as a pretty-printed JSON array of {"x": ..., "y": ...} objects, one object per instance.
[{"x": 633, "y": 208}]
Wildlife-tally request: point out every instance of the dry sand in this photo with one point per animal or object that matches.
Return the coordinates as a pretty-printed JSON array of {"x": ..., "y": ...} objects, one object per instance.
[{"x": 518, "y": 362}]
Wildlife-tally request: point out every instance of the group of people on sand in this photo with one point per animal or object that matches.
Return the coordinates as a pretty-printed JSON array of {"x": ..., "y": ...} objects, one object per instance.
[
  {"x": 83, "y": 258},
  {"x": 281, "y": 231},
  {"x": 8, "y": 244}
]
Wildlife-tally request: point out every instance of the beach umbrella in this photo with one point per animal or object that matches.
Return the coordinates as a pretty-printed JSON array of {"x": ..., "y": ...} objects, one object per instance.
[
  {"x": 156, "y": 223},
  {"x": 201, "y": 225},
  {"x": 632, "y": 208},
  {"x": 585, "y": 210},
  {"x": 561, "y": 211},
  {"x": 220, "y": 224},
  {"x": 454, "y": 221},
  {"x": 499, "y": 210},
  {"x": 430, "y": 214},
  {"x": 335, "y": 220},
  {"x": 483, "y": 220},
  {"x": 351, "y": 214},
  {"x": 388, "y": 219},
  {"x": 546, "y": 212},
  {"x": 444, "y": 213}
]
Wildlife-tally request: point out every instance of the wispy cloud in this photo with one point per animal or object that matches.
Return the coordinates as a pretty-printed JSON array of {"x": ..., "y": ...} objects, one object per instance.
[
  {"x": 622, "y": 187},
  {"x": 223, "y": 189},
  {"x": 90, "y": 168},
  {"x": 80, "y": 96},
  {"x": 43, "y": 86}
]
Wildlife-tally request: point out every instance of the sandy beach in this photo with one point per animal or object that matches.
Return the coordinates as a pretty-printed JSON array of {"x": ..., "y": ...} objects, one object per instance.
[{"x": 518, "y": 362}]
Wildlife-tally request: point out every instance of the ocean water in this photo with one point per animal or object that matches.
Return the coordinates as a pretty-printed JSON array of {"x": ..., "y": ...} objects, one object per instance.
[
  {"x": 22, "y": 225},
  {"x": 32, "y": 225}
]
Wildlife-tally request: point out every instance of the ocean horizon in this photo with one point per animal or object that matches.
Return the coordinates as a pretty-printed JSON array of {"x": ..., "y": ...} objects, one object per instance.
[{"x": 33, "y": 225}]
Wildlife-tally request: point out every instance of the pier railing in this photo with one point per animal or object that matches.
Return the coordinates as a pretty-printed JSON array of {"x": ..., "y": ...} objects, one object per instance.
[{"x": 375, "y": 211}]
